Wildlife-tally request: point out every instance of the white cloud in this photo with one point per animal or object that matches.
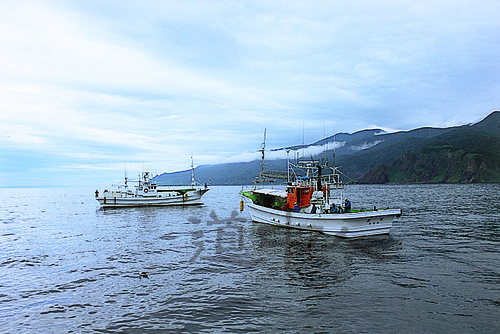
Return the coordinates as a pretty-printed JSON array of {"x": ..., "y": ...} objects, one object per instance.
[
  {"x": 283, "y": 153},
  {"x": 366, "y": 145},
  {"x": 98, "y": 83}
]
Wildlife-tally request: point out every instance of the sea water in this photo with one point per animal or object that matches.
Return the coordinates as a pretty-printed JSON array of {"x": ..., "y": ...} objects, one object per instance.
[{"x": 67, "y": 266}]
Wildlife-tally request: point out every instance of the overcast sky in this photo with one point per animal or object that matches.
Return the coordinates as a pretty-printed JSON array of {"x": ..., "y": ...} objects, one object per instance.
[{"x": 89, "y": 88}]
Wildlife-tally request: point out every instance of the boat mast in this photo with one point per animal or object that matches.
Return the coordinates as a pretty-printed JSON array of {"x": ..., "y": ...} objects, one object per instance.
[
  {"x": 192, "y": 172},
  {"x": 334, "y": 148},
  {"x": 262, "y": 150},
  {"x": 125, "y": 170},
  {"x": 303, "y": 141},
  {"x": 287, "y": 166}
]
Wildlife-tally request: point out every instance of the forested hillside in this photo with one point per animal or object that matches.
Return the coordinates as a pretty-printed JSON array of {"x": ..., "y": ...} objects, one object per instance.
[
  {"x": 468, "y": 153},
  {"x": 465, "y": 154}
]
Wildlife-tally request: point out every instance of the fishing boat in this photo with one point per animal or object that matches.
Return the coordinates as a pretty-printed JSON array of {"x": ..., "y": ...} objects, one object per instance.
[
  {"x": 313, "y": 200},
  {"x": 148, "y": 193}
]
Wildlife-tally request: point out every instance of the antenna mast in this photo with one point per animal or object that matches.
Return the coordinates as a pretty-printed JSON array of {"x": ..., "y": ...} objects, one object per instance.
[
  {"x": 125, "y": 171},
  {"x": 325, "y": 145},
  {"x": 262, "y": 150},
  {"x": 334, "y": 146},
  {"x": 192, "y": 172},
  {"x": 303, "y": 141}
]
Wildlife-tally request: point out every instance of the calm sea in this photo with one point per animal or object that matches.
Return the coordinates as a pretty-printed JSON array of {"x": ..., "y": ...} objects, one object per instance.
[{"x": 68, "y": 267}]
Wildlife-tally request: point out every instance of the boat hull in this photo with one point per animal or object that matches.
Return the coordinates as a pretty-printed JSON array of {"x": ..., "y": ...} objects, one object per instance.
[
  {"x": 113, "y": 200},
  {"x": 346, "y": 225}
]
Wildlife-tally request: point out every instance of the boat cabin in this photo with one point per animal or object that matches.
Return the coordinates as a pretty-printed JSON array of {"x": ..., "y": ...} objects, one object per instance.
[
  {"x": 300, "y": 195},
  {"x": 148, "y": 188}
]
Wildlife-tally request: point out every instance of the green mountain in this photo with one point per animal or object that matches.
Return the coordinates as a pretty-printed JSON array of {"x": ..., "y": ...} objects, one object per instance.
[
  {"x": 389, "y": 147},
  {"x": 469, "y": 153},
  {"x": 242, "y": 173}
]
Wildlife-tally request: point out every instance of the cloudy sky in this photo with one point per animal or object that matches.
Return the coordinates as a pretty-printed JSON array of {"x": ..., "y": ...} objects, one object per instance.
[{"x": 90, "y": 88}]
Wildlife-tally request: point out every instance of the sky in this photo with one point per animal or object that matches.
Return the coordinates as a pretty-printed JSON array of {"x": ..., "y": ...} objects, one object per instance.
[{"x": 91, "y": 89}]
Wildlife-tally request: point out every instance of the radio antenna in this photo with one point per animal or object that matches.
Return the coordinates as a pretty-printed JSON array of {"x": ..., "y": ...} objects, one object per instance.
[{"x": 263, "y": 150}]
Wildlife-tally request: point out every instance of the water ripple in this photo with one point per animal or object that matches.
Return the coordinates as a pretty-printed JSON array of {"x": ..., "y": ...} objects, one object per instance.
[{"x": 68, "y": 267}]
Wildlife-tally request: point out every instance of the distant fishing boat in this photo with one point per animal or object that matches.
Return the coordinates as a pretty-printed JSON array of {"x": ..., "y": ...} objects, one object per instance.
[
  {"x": 148, "y": 193},
  {"x": 313, "y": 201}
]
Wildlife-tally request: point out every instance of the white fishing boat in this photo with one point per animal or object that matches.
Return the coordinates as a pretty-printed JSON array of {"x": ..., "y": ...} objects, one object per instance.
[
  {"x": 314, "y": 201},
  {"x": 148, "y": 193}
]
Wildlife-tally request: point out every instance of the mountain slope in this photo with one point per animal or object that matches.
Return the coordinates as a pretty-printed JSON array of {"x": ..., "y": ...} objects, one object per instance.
[
  {"x": 468, "y": 153},
  {"x": 390, "y": 147}
]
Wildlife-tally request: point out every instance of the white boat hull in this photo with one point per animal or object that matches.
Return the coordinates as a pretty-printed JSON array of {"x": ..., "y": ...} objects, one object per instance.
[
  {"x": 117, "y": 200},
  {"x": 346, "y": 225}
]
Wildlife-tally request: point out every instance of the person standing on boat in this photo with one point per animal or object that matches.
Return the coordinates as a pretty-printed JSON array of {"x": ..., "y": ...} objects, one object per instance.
[
  {"x": 296, "y": 207},
  {"x": 313, "y": 210},
  {"x": 347, "y": 205}
]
